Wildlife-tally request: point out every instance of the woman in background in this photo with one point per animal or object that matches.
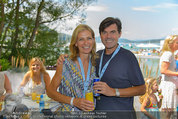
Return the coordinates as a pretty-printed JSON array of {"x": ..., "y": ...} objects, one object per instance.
[
  {"x": 36, "y": 79},
  {"x": 169, "y": 80},
  {"x": 5, "y": 85}
]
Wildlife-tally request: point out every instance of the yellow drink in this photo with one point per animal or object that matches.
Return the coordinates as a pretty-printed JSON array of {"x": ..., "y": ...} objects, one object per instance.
[
  {"x": 89, "y": 95},
  {"x": 0, "y": 106},
  {"x": 34, "y": 96},
  {"x": 38, "y": 98}
]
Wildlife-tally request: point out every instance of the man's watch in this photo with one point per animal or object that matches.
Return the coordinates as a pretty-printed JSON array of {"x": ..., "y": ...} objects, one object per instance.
[{"x": 117, "y": 92}]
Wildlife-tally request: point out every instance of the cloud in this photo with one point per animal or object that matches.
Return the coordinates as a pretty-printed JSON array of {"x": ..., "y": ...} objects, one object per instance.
[
  {"x": 174, "y": 29},
  {"x": 96, "y": 8},
  {"x": 148, "y": 9},
  {"x": 155, "y": 7}
]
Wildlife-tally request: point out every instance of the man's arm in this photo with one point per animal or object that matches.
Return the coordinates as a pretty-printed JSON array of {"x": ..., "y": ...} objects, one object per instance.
[
  {"x": 132, "y": 91},
  {"x": 104, "y": 89}
]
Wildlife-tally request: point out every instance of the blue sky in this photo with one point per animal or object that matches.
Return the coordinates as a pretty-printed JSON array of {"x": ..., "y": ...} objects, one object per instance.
[{"x": 141, "y": 19}]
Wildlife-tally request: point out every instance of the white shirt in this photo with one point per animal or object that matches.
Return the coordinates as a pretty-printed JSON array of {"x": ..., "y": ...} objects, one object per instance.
[
  {"x": 2, "y": 81},
  {"x": 168, "y": 56}
]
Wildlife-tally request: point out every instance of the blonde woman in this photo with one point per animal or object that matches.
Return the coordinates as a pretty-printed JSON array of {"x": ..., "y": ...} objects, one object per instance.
[
  {"x": 36, "y": 79},
  {"x": 74, "y": 76},
  {"x": 169, "y": 80}
]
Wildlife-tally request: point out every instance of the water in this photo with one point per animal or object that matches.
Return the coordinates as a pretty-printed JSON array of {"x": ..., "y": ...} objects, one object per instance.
[
  {"x": 149, "y": 62},
  {"x": 149, "y": 66}
]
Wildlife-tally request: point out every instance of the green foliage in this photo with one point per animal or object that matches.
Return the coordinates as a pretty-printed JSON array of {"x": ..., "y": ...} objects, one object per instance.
[
  {"x": 5, "y": 64},
  {"x": 25, "y": 23}
]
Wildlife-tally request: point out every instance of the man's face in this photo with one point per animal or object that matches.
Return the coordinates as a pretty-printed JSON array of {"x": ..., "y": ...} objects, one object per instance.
[{"x": 110, "y": 36}]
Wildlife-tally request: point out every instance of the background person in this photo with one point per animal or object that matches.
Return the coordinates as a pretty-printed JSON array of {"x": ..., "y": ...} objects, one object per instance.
[
  {"x": 36, "y": 79},
  {"x": 169, "y": 81},
  {"x": 74, "y": 76},
  {"x": 176, "y": 58},
  {"x": 150, "y": 104},
  {"x": 5, "y": 85}
]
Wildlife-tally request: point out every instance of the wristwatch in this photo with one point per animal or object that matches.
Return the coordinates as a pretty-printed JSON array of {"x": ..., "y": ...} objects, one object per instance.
[{"x": 117, "y": 92}]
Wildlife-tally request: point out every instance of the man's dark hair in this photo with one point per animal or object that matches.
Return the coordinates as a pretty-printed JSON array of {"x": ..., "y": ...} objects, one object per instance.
[{"x": 109, "y": 21}]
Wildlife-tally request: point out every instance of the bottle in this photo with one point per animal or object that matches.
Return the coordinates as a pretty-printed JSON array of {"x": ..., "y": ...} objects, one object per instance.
[
  {"x": 21, "y": 93},
  {"x": 41, "y": 103}
]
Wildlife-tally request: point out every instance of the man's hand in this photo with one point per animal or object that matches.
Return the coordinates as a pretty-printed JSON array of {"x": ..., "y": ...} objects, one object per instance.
[
  {"x": 61, "y": 59},
  {"x": 103, "y": 88}
]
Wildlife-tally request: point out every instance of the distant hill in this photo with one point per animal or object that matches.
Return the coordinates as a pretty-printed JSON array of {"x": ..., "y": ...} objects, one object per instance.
[
  {"x": 124, "y": 40},
  {"x": 67, "y": 37},
  {"x": 149, "y": 41},
  {"x": 121, "y": 40}
]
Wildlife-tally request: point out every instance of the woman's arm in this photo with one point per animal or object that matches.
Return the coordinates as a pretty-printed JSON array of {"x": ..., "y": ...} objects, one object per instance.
[
  {"x": 7, "y": 84},
  {"x": 52, "y": 89},
  {"x": 160, "y": 101},
  {"x": 25, "y": 80},
  {"x": 46, "y": 80},
  {"x": 145, "y": 103},
  {"x": 52, "y": 92},
  {"x": 166, "y": 71}
]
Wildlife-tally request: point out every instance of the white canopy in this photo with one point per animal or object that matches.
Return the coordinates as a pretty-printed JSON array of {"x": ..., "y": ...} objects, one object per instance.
[{"x": 148, "y": 45}]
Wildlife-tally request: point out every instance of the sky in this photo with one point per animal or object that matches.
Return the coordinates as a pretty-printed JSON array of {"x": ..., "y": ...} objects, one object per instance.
[{"x": 141, "y": 19}]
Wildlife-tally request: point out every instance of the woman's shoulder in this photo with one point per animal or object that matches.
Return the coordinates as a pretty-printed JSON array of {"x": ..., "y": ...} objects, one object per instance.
[
  {"x": 166, "y": 55},
  {"x": 68, "y": 61},
  {"x": 27, "y": 74}
]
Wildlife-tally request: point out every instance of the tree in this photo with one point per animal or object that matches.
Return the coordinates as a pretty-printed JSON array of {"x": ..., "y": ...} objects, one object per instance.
[{"x": 23, "y": 22}]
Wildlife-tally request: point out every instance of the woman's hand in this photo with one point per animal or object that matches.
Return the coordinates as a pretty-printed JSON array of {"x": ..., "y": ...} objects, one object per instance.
[
  {"x": 160, "y": 94},
  {"x": 83, "y": 104}
]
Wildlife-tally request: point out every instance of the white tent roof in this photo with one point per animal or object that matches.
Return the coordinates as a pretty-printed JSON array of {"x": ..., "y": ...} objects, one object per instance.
[{"x": 148, "y": 45}]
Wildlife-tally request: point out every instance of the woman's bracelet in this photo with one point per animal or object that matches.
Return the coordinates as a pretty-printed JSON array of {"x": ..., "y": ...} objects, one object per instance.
[{"x": 72, "y": 101}]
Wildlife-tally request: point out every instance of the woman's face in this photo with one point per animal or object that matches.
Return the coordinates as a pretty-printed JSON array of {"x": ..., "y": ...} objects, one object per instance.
[
  {"x": 35, "y": 67},
  {"x": 85, "y": 42},
  {"x": 174, "y": 44}
]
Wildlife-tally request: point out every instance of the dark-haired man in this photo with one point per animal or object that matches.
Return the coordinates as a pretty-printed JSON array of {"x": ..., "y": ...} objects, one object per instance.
[{"x": 119, "y": 71}]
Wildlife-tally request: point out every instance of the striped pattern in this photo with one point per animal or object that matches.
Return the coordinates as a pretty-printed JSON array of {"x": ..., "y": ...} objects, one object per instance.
[{"x": 72, "y": 82}]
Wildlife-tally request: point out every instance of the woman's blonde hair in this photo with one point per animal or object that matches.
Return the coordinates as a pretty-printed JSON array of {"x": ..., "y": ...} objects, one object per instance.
[
  {"x": 149, "y": 82},
  {"x": 42, "y": 67},
  {"x": 74, "y": 50},
  {"x": 167, "y": 41}
]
